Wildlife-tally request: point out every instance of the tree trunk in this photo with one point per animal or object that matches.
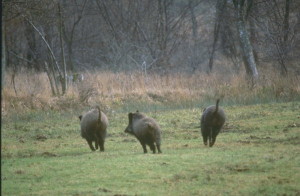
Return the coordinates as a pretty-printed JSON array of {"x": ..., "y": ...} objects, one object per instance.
[
  {"x": 31, "y": 51},
  {"x": 63, "y": 79},
  {"x": 194, "y": 20},
  {"x": 283, "y": 54},
  {"x": 68, "y": 37},
  {"x": 286, "y": 24},
  {"x": 220, "y": 6},
  {"x": 50, "y": 80},
  {"x": 54, "y": 76},
  {"x": 48, "y": 46},
  {"x": 245, "y": 43},
  {"x": 195, "y": 35},
  {"x": 3, "y": 54},
  {"x": 162, "y": 34}
]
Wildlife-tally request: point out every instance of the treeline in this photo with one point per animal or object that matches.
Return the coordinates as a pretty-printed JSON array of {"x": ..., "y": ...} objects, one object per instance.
[{"x": 68, "y": 36}]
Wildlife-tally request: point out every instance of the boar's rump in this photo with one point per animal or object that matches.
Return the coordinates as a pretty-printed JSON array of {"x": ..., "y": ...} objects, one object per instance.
[
  {"x": 93, "y": 128},
  {"x": 212, "y": 120}
]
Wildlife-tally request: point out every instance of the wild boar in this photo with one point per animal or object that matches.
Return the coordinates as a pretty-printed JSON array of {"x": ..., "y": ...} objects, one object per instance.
[
  {"x": 212, "y": 120},
  {"x": 145, "y": 129},
  {"x": 93, "y": 128}
]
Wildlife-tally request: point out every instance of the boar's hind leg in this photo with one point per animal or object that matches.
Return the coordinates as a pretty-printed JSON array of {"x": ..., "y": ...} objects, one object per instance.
[
  {"x": 144, "y": 147},
  {"x": 214, "y": 137},
  {"x": 90, "y": 144},
  {"x": 211, "y": 136},
  {"x": 152, "y": 147},
  {"x": 205, "y": 136},
  {"x": 158, "y": 148},
  {"x": 101, "y": 144},
  {"x": 96, "y": 144}
]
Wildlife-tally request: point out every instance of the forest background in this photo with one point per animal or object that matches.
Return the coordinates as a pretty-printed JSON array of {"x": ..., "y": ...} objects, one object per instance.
[{"x": 68, "y": 54}]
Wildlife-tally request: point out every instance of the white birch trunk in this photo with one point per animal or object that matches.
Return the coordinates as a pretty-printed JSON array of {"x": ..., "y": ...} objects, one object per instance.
[{"x": 245, "y": 43}]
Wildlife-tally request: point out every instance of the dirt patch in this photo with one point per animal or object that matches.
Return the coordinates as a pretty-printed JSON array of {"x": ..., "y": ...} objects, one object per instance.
[
  {"x": 128, "y": 140},
  {"x": 254, "y": 139},
  {"x": 49, "y": 154},
  {"x": 290, "y": 140},
  {"x": 41, "y": 138},
  {"x": 235, "y": 129},
  {"x": 259, "y": 138},
  {"x": 104, "y": 190},
  {"x": 295, "y": 140},
  {"x": 20, "y": 171},
  {"x": 238, "y": 168},
  {"x": 293, "y": 125},
  {"x": 288, "y": 127}
]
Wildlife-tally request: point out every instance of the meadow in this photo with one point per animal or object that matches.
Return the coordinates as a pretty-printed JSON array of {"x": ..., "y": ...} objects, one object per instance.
[{"x": 256, "y": 153}]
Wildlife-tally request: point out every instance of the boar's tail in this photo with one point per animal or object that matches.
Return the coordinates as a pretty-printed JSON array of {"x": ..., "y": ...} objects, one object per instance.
[
  {"x": 99, "y": 118},
  {"x": 217, "y": 106}
]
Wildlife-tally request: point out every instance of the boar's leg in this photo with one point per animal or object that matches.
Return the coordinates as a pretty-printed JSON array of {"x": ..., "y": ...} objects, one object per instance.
[
  {"x": 214, "y": 136},
  {"x": 144, "y": 147},
  {"x": 158, "y": 148},
  {"x": 101, "y": 144},
  {"x": 96, "y": 143},
  {"x": 205, "y": 136},
  {"x": 143, "y": 143},
  {"x": 90, "y": 144},
  {"x": 152, "y": 147},
  {"x": 212, "y": 143},
  {"x": 210, "y": 136}
]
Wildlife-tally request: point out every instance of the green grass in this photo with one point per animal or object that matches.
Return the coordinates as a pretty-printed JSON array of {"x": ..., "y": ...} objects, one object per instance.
[{"x": 257, "y": 153}]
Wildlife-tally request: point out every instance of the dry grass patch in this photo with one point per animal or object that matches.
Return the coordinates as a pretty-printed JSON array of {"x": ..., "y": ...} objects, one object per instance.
[{"x": 112, "y": 90}]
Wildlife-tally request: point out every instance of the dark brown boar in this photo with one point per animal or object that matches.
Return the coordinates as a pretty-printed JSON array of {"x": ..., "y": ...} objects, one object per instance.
[
  {"x": 212, "y": 120},
  {"x": 146, "y": 130},
  {"x": 93, "y": 128}
]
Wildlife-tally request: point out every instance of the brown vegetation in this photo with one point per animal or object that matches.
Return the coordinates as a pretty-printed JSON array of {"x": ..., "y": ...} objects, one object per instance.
[{"x": 114, "y": 90}]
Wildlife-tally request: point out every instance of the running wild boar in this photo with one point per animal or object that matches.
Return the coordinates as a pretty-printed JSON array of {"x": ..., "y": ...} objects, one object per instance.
[
  {"x": 212, "y": 120},
  {"x": 93, "y": 128},
  {"x": 145, "y": 129}
]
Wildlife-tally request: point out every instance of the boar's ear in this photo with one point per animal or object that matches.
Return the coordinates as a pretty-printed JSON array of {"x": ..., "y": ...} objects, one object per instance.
[{"x": 80, "y": 117}]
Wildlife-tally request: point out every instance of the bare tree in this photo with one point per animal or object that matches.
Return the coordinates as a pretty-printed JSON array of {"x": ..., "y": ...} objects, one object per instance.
[
  {"x": 3, "y": 52},
  {"x": 63, "y": 76},
  {"x": 157, "y": 36},
  {"x": 277, "y": 30},
  {"x": 69, "y": 33},
  {"x": 242, "y": 8},
  {"x": 220, "y": 12}
]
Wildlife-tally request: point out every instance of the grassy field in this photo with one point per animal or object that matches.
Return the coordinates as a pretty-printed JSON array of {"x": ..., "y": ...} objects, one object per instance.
[{"x": 257, "y": 153}]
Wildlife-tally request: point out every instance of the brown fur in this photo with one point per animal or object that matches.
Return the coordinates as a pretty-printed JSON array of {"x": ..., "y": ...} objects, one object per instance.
[
  {"x": 93, "y": 128},
  {"x": 145, "y": 129},
  {"x": 212, "y": 120}
]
